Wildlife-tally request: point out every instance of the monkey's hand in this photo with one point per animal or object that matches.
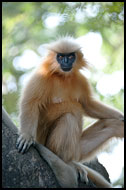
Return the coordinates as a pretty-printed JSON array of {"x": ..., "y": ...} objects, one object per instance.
[{"x": 23, "y": 143}]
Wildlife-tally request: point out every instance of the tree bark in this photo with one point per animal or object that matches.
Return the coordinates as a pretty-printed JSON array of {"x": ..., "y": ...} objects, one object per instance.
[{"x": 29, "y": 170}]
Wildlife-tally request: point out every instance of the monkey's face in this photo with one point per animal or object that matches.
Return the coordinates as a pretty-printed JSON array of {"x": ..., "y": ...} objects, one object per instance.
[{"x": 66, "y": 60}]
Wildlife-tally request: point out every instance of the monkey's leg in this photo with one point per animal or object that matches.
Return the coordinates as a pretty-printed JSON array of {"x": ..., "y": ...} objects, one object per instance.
[
  {"x": 65, "y": 137},
  {"x": 85, "y": 172},
  {"x": 94, "y": 138},
  {"x": 64, "y": 142},
  {"x": 96, "y": 109}
]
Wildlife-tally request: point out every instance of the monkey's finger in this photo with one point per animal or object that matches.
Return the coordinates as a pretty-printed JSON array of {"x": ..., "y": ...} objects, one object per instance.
[
  {"x": 18, "y": 141},
  {"x": 20, "y": 145},
  {"x": 26, "y": 146}
]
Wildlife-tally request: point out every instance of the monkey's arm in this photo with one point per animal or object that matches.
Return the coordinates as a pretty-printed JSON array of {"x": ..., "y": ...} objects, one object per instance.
[
  {"x": 97, "y": 135},
  {"x": 29, "y": 113},
  {"x": 96, "y": 109},
  {"x": 28, "y": 127}
]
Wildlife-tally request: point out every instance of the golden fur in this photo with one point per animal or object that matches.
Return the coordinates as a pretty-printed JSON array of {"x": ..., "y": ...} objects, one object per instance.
[{"x": 54, "y": 102}]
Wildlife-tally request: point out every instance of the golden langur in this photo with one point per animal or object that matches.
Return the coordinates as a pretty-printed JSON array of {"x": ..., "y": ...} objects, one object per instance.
[{"x": 52, "y": 105}]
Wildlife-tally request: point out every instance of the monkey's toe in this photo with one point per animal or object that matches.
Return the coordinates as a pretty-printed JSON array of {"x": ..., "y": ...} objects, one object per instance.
[
  {"x": 81, "y": 171},
  {"x": 82, "y": 175}
]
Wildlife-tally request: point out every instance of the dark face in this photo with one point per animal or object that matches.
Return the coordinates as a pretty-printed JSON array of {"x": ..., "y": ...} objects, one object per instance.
[{"x": 66, "y": 60}]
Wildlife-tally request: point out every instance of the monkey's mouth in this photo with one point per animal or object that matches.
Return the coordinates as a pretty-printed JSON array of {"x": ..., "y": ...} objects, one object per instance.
[{"x": 66, "y": 69}]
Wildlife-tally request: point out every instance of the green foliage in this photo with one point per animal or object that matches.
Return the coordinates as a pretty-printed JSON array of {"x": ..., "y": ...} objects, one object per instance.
[{"x": 24, "y": 27}]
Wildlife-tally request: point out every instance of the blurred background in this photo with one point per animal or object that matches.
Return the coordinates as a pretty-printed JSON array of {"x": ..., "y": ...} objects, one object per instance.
[{"x": 97, "y": 26}]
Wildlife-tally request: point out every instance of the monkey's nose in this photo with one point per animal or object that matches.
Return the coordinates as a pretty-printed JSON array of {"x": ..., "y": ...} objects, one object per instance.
[{"x": 65, "y": 60}]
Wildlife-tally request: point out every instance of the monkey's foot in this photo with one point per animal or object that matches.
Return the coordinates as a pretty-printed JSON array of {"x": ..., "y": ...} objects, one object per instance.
[
  {"x": 24, "y": 144},
  {"x": 82, "y": 173}
]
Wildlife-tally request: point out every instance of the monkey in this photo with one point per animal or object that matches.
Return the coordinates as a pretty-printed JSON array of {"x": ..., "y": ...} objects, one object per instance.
[{"x": 52, "y": 106}]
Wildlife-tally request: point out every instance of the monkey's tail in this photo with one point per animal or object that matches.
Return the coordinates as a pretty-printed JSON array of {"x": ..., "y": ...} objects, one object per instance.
[
  {"x": 97, "y": 178},
  {"x": 66, "y": 176}
]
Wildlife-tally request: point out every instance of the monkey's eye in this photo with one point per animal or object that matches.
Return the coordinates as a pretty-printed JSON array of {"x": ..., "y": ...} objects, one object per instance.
[
  {"x": 71, "y": 56},
  {"x": 60, "y": 57}
]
